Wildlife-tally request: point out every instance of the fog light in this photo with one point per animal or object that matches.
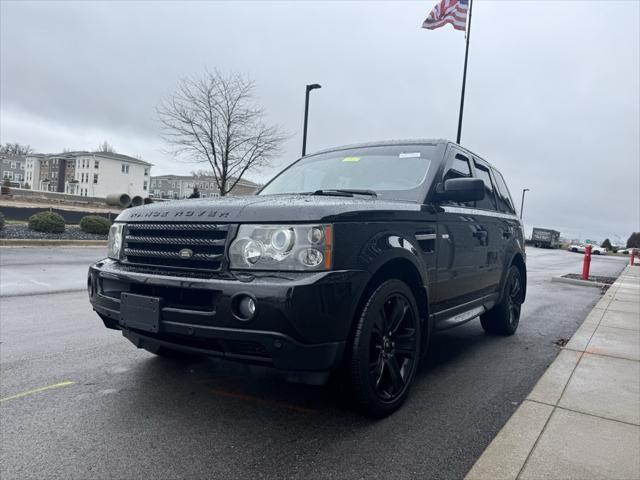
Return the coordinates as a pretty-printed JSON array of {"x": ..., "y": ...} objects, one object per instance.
[{"x": 245, "y": 307}]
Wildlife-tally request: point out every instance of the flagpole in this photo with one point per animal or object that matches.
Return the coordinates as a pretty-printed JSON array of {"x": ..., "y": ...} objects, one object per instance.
[{"x": 464, "y": 75}]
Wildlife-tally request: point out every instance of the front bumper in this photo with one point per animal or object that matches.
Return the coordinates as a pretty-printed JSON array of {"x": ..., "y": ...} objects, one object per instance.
[{"x": 301, "y": 323}]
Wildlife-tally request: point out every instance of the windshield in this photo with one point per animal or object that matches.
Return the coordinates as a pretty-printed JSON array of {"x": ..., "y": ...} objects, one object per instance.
[{"x": 393, "y": 172}]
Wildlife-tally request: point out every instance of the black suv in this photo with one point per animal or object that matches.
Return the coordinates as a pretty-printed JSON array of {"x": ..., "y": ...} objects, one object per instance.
[{"x": 348, "y": 259}]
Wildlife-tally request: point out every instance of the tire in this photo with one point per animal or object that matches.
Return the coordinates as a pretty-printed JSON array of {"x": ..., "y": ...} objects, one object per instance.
[
  {"x": 503, "y": 319},
  {"x": 574, "y": 250},
  {"x": 596, "y": 252},
  {"x": 384, "y": 354}
]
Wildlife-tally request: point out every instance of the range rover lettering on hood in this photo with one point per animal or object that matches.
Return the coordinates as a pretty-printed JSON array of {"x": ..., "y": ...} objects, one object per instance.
[
  {"x": 280, "y": 208},
  {"x": 179, "y": 213}
]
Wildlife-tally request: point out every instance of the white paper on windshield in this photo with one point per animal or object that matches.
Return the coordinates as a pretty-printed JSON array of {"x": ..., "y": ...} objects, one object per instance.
[{"x": 409, "y": 155}]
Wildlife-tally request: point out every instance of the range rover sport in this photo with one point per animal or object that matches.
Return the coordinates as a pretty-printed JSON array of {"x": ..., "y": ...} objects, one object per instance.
[{"x": 349, "y": 259}]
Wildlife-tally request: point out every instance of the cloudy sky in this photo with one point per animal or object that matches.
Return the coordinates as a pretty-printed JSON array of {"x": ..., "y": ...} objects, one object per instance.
[{"x": 552, "y": 93}]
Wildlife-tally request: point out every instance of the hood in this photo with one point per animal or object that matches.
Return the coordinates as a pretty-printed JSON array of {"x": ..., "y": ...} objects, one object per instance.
[{"x": 272, "y": 209}]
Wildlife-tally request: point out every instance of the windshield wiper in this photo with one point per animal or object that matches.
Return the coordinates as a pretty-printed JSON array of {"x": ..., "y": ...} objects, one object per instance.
[{"x": 346, "y": 192}]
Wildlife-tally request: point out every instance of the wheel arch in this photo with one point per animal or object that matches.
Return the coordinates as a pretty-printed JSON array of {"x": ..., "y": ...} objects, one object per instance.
[{"x": 403, "y": 269}]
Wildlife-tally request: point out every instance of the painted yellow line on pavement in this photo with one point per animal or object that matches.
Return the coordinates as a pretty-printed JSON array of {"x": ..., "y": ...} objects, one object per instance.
[{"x": 37, "y": 390}]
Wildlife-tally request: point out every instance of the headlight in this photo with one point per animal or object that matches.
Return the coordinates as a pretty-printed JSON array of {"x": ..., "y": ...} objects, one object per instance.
[
  {"x": 282, "y": 247},
  {"x": 114, "y": 245}
]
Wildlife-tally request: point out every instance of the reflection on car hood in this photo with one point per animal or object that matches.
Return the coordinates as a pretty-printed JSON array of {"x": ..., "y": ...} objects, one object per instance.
[{"x": 272, "y": 208}]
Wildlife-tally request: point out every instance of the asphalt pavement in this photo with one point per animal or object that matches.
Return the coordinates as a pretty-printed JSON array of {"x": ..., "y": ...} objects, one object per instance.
[{"x": 112, "y": 411}]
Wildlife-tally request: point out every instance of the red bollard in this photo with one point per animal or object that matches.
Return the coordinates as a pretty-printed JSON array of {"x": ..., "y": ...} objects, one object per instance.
[
  {"x": 632, "y": 255},
  {"x": 586, "y": 263}
]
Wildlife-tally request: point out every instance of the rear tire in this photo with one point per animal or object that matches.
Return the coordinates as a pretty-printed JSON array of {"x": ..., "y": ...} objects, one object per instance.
[
  {"x": 503, "y": 319},
  {"x": 385, "y": 351}
]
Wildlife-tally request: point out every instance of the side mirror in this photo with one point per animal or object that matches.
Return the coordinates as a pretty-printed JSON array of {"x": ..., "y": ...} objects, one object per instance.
[{"x": 461, "y": 190}]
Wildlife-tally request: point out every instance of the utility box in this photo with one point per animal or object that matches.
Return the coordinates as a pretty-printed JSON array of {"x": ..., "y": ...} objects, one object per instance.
[{"x": 545, "y": 238}]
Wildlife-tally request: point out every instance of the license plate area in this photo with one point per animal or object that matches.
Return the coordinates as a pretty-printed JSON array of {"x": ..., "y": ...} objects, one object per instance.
[{"x": 140, "y": 312}]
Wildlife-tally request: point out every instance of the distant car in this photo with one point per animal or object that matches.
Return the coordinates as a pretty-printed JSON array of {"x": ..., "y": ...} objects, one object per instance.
[{"x": 595, "y": 250}]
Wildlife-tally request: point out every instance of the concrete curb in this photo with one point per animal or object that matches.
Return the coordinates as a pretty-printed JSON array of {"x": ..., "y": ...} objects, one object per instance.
[
  {"x": 582, "y": 418},
  {"x": 575, "y": 281},
  {"x": 24, "y": 242}
]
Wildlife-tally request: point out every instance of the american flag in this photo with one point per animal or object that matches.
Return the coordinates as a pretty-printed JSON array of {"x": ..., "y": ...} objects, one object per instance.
[{"x": 448, "y": 11}]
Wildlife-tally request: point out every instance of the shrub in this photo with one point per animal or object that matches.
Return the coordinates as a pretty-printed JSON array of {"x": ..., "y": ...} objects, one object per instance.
[
  {"x": 95, "y": 224},
  {"x": 606, "y": 244},
  {"x": 50, "y": 222},
  {"x": 1, "y": 221}
]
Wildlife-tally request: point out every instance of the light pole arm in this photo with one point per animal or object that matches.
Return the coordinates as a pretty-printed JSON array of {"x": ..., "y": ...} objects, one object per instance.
[
  {"x": 524, "y": 190},
  {"x": 308, "y": 89},
  {"x": 306, "y": 121}
]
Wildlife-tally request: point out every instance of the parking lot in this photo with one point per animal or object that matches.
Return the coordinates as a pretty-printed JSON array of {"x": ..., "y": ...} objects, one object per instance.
[{"x": 117, "y": 412}]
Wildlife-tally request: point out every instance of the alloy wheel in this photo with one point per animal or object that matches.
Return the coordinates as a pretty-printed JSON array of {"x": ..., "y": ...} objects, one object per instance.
[
  {"x": 514, "y": 298},
  {"x": 393, "y": 348}
]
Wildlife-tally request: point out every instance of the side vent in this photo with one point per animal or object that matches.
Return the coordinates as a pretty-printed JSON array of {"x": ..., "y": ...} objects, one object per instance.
[{"x": 427, "y": 240}]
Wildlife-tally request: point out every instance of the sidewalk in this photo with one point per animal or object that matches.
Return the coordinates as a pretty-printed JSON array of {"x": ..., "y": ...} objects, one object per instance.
[{"x": 582, "y": 419}]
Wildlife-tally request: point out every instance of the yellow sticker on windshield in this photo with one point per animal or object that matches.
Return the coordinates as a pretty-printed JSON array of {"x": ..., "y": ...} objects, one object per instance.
[{"x": 351, "y": 159}]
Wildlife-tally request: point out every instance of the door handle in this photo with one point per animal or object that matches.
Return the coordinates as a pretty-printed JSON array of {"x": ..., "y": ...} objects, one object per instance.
[
  {"x": 506, "y": 234},
  {"x": 480, "y": 234}
]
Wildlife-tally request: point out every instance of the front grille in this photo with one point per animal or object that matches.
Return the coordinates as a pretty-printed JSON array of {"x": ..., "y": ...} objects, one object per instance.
[{"x": 161, "y": 244}]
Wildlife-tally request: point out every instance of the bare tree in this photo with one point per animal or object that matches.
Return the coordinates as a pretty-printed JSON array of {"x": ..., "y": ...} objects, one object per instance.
[
  {"x": 105, "y": 147},
  {"x": 201, "y": 173},
  {"x": 215, "y": 120},
  {"x": 16, "y": 149}
]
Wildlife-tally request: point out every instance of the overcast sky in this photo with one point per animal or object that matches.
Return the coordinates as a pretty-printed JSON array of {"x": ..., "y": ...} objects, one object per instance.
[{"x": 553, "y": 89}]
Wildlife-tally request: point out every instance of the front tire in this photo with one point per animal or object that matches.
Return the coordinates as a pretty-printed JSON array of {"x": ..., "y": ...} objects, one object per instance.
[
  {"x": 385, "y": 351},
  {"x": 503, "y": 319}
]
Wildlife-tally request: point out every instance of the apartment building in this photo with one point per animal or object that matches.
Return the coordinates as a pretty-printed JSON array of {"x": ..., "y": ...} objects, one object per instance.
[
  {"x": 181, "y": 186},
  {"x": 89, "y": 174},
  {"x": 12, "y": 167}
]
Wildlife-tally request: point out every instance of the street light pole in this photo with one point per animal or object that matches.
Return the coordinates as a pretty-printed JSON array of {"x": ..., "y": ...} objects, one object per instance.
[
  {"x": 522, "y": 203},
  {"x": 306, "y": 115}
]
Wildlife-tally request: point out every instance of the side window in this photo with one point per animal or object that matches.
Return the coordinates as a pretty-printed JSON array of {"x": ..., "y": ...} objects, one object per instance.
[
  {"x": 458, "y": 166},
  {"x": 489, "y": 200},
  {"x": 505, "y": 202}
]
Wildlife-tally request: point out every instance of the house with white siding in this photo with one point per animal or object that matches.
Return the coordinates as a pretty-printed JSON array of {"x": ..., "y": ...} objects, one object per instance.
[
  {"x": 89, "y": 174},
  {"x": 12, "y": 168}
]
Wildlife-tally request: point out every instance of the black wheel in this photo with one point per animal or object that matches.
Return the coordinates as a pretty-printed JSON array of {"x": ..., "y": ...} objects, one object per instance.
[
  {"x": 574, "y": 250},
  {"x": 596, "y": 252},
  {"x": 385, "y": 351},
  {"x": 503, "y": 319}
]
